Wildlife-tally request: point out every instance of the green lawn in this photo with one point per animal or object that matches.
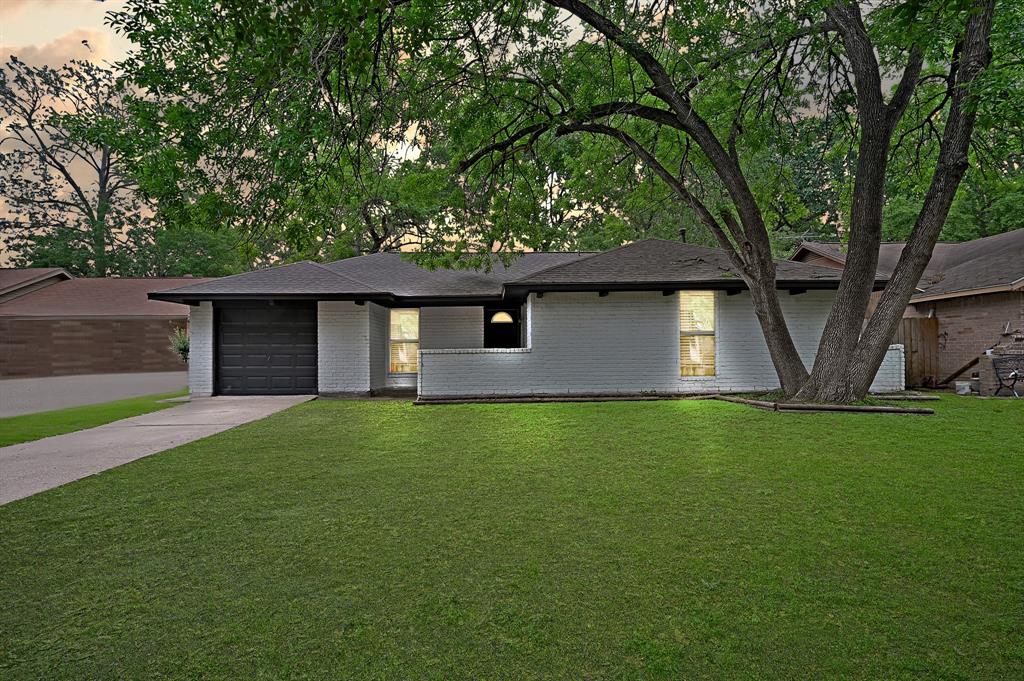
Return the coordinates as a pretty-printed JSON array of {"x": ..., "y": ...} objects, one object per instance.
[
  {"x": 44, "y": 424},
  {"x": 623, "y": 540}
]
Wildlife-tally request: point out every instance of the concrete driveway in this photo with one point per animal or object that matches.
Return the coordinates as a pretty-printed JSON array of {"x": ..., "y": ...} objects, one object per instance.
[
  {"x": 29, "y": 395},
  {"x": 32, "y": 467}
]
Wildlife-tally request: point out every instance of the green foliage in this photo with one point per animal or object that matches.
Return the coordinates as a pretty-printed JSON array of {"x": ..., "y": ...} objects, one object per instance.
[
  {"x": 340, "y": 127},
  {"x": 617, "y": 540},
  {"x": 179, "y": 342}
]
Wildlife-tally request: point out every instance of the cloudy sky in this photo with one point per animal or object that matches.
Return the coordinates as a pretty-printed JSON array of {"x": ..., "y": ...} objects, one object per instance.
[{"x": 51, "y": 31}]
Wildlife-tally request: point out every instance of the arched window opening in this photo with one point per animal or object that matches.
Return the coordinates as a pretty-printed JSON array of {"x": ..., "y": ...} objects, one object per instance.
[{"x": 502, "y": 318}]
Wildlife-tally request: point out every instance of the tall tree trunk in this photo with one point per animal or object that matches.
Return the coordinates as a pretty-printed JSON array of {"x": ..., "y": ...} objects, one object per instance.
[
  {"x": 830, "y": 379},
  {"x": 949, "y": 171},
  {"x": 100, "y": 232}
]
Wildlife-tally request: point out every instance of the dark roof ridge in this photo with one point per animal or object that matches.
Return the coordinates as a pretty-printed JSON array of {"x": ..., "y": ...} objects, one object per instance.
[
  {"x": 590, "y": 254},
  {"x": 816, "y": 248},
  {"x": 264, "y": 269},
  {"x": 120, "y": 278},
  {"x": 325, "y": 268}
]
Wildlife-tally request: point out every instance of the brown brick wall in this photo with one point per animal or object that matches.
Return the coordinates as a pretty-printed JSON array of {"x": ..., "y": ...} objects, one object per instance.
[
  {"x": 60, "y": 347},
  {"x": 969, "y": 325}
]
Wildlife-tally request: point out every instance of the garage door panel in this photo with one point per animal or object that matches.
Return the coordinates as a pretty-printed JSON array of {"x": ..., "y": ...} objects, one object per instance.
[{"x": 266, "y": 349}]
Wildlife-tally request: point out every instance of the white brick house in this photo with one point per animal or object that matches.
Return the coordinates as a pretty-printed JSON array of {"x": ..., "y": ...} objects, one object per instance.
[{"x": 654, "y": 317}]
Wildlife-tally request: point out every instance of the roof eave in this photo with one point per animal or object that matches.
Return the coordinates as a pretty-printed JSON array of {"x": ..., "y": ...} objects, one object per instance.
[
  {"x": 813, "y": 248},
  {"x": 59, "y": 273},
  {"x": 717, "y": 285},
  {"x": 1001, "y": 288},
  {"x": 189, "y": 298},
  {"x": 447, "y": 300}
]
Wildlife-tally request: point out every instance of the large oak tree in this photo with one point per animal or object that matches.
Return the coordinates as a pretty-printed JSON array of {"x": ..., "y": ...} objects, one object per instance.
[{"x": 554, "y": 115}]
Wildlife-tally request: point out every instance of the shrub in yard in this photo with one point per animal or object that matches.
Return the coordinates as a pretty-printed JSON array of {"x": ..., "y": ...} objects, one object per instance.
[{"x": 179, "y": 343}]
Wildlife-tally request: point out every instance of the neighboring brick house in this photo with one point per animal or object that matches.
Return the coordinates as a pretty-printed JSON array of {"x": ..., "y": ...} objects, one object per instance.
[
  {"x": 652, "y": 317},
  {"x": 15, "y": 282},
  {"x": 53, "y": 324},
  {"x": 975, "y": 289}
]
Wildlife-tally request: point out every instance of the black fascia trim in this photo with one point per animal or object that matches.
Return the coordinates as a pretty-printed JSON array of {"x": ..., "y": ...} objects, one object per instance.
[
  {"x": 714, "y": 285},
  {"x": 191, "y": 298},
  {"x": 446, "y": 301}
]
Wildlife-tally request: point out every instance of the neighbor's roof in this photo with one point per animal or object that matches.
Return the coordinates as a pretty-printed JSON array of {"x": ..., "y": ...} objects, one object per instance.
[
  {"x": 108, "y": 297},
  {"x": 13, "y": 278},
  {"x": 643, "y": 265},
  {"x": 991, "y": 264}
]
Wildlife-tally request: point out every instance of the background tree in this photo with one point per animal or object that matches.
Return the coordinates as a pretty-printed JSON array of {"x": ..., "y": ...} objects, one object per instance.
[
  {"x": 713, "y": 100},
  {"x": 68, "y": 199},
  {"x": 68, "y": 181}
]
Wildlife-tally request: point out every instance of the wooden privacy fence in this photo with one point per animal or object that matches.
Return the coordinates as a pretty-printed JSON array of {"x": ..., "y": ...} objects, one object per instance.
[{"x": 920, "y": 339}]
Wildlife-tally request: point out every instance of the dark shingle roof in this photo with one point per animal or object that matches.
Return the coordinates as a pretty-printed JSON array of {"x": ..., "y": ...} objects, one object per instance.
[
  {"x": 305, "y": 279},
  {"x": 658, "y": 261},
  {"x": 392, "y": 272},
  {"x": 388, "y": 276},
  {"x": 993, "y": 261},
  {"x": 983, "y": 263},
  {"x": 888, "y": 253}
]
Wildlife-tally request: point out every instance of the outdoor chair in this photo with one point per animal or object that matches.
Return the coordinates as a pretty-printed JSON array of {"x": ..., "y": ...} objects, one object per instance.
[{"x": 1009, "y": 372}]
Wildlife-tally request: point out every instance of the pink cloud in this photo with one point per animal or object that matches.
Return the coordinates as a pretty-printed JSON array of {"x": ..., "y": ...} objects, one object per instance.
[
  {"x": 9, "y": 8},
  {"x": 81, "y": 43}
]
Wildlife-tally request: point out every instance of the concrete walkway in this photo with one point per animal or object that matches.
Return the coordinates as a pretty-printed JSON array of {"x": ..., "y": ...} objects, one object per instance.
[
  {"x": 30, "y": 395},
  {"x": 32, "y": 467}
]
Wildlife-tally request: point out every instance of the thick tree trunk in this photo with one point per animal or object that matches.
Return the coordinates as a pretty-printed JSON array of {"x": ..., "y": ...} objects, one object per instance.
[
  {"x": 788, "y": 365},
  {"x": 850, "y": 354},
  {"x": 949, "y": 172},
  {"x": 830, "y": 379}
]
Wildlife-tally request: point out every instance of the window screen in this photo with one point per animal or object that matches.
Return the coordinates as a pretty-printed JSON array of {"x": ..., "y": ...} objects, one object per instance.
[
  {"x": 404, "y": 341},
  {"x": 696, "y": 333}
]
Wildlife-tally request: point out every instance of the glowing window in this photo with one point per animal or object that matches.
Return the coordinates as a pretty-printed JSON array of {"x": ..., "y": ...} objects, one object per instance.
[
  {"x": 502, "y": 318},
  {"x": 696, "y": 333},
  {"x": 404, "y": 340}
]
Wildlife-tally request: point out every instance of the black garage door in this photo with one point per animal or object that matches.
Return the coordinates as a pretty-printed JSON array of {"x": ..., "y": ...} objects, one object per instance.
[{"x": 266, "y": 348}]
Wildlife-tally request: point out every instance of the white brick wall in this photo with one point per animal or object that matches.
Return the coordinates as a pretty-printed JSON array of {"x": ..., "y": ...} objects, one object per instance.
[
  {"x": 378, "y": 345},
  {"x": 576, "y": 343},
  {"x": 622, "y": 343},
  {"x": 444, "y": 328},
  {"x": 743, "y": 359},
  {"x": 200, "y": 349},
  {"x": 440, "y": 328},
  {"x": 892, "y": 374},
  {"x": 343, "y": 347}
]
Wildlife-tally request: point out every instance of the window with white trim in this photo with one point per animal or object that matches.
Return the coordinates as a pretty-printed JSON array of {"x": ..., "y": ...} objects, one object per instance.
[
  {"x": 696, "y": 333},
  {"x": 404, "y": 340}
]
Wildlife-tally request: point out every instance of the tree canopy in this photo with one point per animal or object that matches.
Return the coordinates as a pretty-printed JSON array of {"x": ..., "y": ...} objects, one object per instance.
[{"x": 304, "y": 113}]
